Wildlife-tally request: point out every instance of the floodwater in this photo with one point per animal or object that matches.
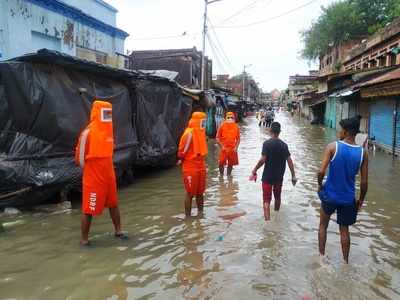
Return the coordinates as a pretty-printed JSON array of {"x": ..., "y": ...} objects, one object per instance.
[{"x": 230, "y": 253}]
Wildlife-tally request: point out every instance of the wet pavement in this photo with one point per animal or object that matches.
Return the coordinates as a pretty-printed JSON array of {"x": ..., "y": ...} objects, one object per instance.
[{"x": 230, "y": 253}]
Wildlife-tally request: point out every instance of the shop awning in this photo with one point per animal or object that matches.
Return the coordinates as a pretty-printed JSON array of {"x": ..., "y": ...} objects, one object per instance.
[
  {"x": 344, "y": 93},
  {"x": 319, "y": 101}
]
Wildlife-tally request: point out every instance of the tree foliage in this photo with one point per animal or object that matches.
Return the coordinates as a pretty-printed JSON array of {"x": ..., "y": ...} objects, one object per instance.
[{"x": 346, "y": 20}]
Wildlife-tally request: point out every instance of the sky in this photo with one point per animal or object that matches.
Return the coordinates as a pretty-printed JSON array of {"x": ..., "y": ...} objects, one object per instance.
[{"x": 271, "y": 48}]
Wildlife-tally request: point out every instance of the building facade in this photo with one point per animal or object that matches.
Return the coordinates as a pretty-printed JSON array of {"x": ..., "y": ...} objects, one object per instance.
[
  {"x": 83, "y": 28},
  {"x": 186, "y": 62},
  {"x": 245, "y": 86},
  {"x": 380, "y": 50},
  {"x": 299, "y": 84}
]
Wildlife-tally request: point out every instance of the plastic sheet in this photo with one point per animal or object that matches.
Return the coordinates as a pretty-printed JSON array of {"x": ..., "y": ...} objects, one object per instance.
[
  {"x": 162, "y": 114},
  {"x": 45, "y": 101}
]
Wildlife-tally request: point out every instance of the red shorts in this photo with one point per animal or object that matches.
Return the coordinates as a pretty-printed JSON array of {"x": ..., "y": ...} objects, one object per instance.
[
  {"x": 268, "y": 189},
  {"x": 99, "y": 187},
  {"x": 195, "y": 182},
  {"x": 230, "y": 157}
]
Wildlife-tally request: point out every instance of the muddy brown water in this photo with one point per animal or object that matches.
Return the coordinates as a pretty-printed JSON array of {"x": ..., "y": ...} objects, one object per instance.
[{"x": 230, "y": 253}]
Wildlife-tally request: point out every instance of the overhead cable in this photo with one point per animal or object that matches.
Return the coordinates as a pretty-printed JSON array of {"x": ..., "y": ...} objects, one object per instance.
[
  {"x": 270, "y": 19},
  {"x": 243, "y": 9},
  {"x": 219, "y": 45}
]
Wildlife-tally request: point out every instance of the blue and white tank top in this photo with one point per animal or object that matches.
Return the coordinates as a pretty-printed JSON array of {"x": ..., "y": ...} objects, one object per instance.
[{"x": 340, "y": 186}]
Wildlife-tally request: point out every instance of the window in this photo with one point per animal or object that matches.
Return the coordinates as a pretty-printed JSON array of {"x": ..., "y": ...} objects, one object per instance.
[
  {"x": 392, "y": 59},
  {"x": 101, "y": 58},
  {"x": 382, "y": 61},
  {"x": 373, "y": 63},
  {"x": 365, "y": 65}
]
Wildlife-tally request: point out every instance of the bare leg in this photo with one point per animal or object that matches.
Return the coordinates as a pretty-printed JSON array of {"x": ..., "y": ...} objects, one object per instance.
[
  {"x": 221, "y": 170},
  {"x": 188, "y": 205},
  {"x": 200, "y": 203},
  {"x": 230, "y": 168},
  {"x": 116, "y": 219},
  {"x": 277, "y": 196},
  {"x": 323, "y": 226},
  {"x": 86, "y": 220},
  {"x": 267, "y": 214},
  {"x": 345, "y": 241}
]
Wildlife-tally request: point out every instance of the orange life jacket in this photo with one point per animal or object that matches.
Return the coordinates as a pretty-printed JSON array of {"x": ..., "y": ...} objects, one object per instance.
[
  {"x": 229, "y": 133},
  {"x": 193, "y": 143},
  {"x": 97, "y": 140}
]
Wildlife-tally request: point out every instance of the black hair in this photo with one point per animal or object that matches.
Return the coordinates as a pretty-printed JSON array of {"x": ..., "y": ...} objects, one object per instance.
[
  {"x": 276, "y": 127},
  {"x": 351, "y": 125}
]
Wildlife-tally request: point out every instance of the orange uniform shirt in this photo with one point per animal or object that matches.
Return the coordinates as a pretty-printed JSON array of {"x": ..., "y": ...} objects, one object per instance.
[
  {"x": 94, "y": 153},
  {"x": 228, "y": 134}
]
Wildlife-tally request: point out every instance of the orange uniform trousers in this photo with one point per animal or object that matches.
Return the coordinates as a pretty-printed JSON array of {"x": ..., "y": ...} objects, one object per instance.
[
  {"x": 194, "y": 177},
  {"x": 99, "y": 186},
  {"x": 229, "y": 157}
]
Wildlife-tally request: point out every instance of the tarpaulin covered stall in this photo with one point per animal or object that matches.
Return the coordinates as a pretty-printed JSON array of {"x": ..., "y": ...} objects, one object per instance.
[
  {"x": 45, "y": 101},
  {"x": 162, "y": 113}
]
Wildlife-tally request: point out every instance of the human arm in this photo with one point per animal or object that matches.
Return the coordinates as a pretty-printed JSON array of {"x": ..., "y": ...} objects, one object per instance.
[
  {"x": 291, "y": 167},
  {"x": 328, "y": 154},
  {"x": 218, "y": 136},
  {"x": 238, "y": 139},
  {"x": 184, "y": 145},
  {"x": 260, "y": 163},
  {"x": 81, "y": 148},
  {"x": 364, "y": 180}
]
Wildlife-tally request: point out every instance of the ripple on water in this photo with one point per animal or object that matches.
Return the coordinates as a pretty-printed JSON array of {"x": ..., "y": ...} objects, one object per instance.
[{"x": 169, "y": 257}]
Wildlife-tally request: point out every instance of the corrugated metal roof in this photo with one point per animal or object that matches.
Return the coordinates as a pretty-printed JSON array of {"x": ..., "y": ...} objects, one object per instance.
[{"x": 392, "y": 75}]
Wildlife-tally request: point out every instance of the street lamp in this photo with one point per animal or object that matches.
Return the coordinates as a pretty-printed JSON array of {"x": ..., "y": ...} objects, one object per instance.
[
  {"x": 244, "y": 74},
  {"x": 203, "y": 61}
]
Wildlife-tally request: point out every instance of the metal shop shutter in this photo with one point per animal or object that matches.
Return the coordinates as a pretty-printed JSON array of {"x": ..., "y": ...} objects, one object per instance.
[
  {"x": 381, "y": 123},
  {"x": 330, "y": 113},
  {"x": 398, "y": 129}
]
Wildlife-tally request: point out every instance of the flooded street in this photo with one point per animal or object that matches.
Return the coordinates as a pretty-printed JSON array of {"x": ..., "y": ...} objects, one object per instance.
[{"x": 230, "y": 253}]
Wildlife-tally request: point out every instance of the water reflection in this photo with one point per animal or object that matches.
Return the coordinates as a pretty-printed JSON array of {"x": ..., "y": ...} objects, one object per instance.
[{"x": 231, "y": 253}]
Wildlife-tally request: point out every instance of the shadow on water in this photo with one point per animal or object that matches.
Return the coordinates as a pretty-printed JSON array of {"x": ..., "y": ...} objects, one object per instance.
[{"x": 230, "y": 253}]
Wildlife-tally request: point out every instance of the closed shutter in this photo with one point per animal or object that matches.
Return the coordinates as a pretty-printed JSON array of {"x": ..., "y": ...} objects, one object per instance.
[
  {"x": 381, "y": 123},
  {"x": 330, "y": 113},
  {"x": 398, "y": 129},
  {"x": 353, "y": 109}
]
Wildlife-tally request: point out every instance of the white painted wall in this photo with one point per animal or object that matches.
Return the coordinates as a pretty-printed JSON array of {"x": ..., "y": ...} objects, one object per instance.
[
  {"x": 97, "y": 9},
  {"x": 26, "y": 28}
]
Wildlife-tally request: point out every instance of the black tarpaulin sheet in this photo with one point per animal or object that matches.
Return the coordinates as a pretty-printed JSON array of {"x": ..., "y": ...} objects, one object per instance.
[
  {"x": 43, "y": 109},
  {"x": 162, "y": 113},
  {"x": 45, "y": 102}
]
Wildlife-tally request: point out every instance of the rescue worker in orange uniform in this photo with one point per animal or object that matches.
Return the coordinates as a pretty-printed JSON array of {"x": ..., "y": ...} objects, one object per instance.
[
  {"x": 94, "y": 153},
  {"x": 191, "y": 154},
  {"x": 228, "y": 138}
]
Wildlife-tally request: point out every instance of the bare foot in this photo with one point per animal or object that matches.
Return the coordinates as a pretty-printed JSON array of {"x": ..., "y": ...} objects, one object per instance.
[
  {"x": 85, "y": 243},
  {"x": 121, "y": 236}
]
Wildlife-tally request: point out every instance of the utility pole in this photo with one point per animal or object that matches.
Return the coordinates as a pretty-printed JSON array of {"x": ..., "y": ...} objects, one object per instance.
[
  {"x": 203, "y": 56},
  {"x": 243, "y": 79}
]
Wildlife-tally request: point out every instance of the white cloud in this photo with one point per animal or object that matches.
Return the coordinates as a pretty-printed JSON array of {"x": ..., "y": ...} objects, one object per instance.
[{"x": 272, "y": 48}]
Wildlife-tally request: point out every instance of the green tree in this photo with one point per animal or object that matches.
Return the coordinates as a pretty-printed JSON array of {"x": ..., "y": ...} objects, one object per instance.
[{"x": 346, "y": 20}]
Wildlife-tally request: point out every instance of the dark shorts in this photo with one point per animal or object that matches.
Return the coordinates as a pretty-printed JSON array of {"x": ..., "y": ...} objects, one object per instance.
[{"x": 346, "y": 214}]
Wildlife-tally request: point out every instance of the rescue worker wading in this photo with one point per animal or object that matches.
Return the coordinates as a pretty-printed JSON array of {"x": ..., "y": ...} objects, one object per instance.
[
  {"x": 228, "y": 138},
  {"x": 192, "y": 152},
  {"x": 94, "y": 153}
]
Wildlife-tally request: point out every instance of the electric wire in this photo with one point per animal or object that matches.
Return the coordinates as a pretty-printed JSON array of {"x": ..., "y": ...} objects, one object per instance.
[
  {"x": 272, "y": 18},
  {"x": 215, "y": 53},
  {"x": 164, "y": 37},
  {"x": 243, "y": 9},
  {"x": 219, "y": 45}
]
